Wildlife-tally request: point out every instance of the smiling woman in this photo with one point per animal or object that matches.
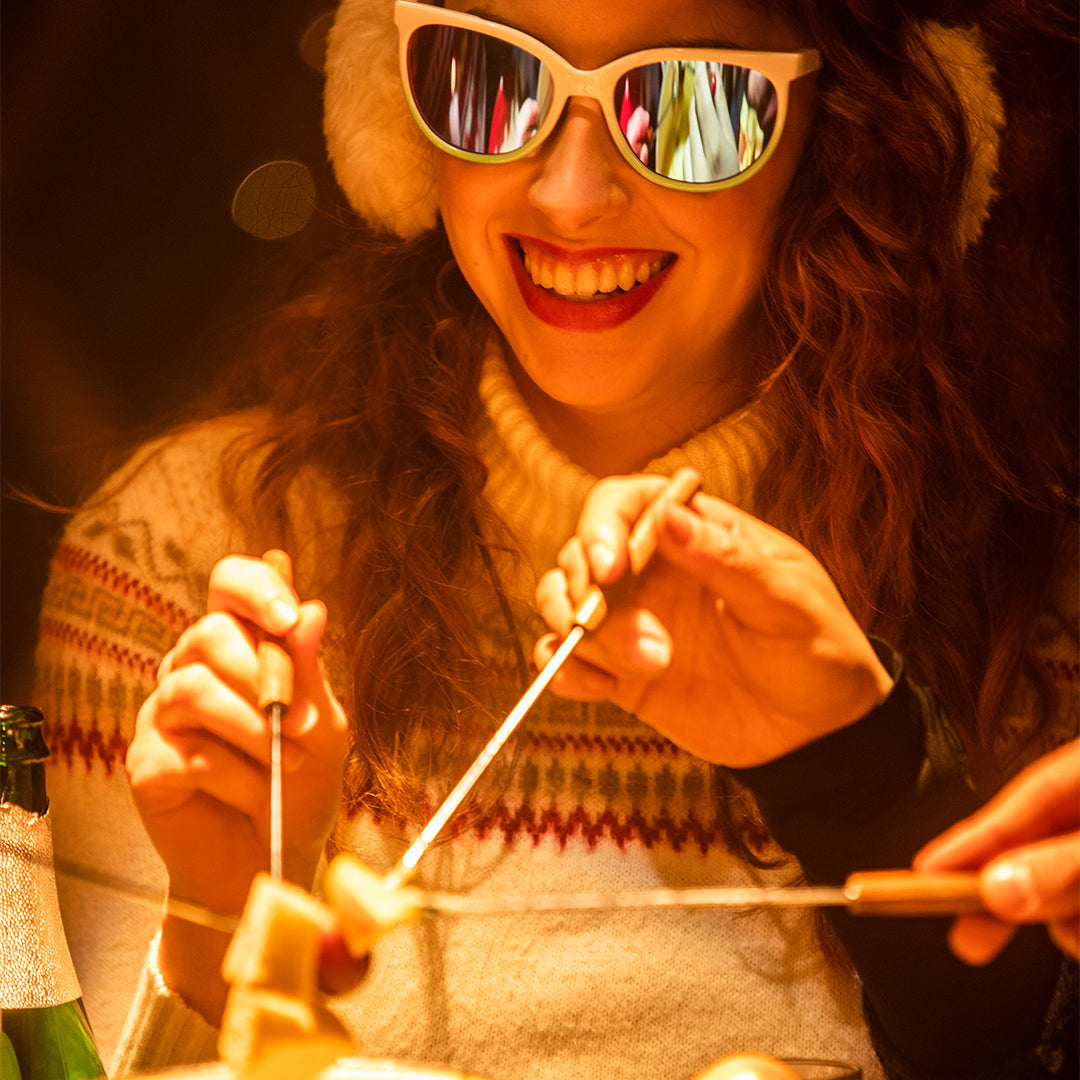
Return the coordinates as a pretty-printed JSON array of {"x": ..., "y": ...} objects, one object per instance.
[{"x": 795, "y": 247}]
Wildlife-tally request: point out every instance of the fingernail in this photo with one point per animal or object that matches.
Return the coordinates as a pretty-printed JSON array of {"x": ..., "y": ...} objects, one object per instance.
[
  {"x": 601, "y": 560},
  {"x": 655, "y": 653},
  {"x": 283, "y": 615},
  {"x": 1009, "y": 889}
]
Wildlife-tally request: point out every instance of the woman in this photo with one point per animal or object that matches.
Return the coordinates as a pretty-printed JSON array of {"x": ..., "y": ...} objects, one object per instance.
[{"x": 828, "y": 334}]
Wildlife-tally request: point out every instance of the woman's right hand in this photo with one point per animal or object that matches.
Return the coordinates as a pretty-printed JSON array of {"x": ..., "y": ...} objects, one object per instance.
[
  {"x": 199, "y": 760},
  {"x": 736, "y": 643}
]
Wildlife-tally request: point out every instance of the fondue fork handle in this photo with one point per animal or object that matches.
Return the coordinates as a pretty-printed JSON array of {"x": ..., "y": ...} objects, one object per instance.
[{"x": 908, "y": 892}]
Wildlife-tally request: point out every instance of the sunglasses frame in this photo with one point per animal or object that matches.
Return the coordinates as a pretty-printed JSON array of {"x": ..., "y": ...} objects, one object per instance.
[{"x": 599, "y": 84}]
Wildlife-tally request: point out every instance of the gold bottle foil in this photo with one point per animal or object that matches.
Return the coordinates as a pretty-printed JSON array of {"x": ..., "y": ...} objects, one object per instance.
[{"x": 35, "y": 964}]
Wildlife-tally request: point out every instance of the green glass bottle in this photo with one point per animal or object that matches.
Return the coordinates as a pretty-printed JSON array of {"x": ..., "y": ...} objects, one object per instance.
[{"x": 44, "y": 1031}]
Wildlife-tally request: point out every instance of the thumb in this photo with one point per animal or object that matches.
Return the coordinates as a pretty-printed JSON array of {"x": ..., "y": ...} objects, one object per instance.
[
  {"x": 316, "y": 716},
  {"x": 1035, "y": 883}
]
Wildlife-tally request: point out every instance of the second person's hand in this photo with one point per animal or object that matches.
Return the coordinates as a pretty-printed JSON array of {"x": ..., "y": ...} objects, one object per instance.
[{"x": 1025, "y": 843}]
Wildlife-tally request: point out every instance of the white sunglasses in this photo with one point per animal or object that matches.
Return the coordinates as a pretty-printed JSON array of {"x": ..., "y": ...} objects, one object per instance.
[{"x": 690, "y": 119}]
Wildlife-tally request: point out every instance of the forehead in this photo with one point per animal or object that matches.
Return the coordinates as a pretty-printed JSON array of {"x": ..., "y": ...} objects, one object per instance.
[{"x": 591, "y": 32}]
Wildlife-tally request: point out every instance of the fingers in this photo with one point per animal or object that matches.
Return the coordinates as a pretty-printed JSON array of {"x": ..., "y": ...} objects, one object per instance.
[
  {"x": 574, "y": 580},
  {"x": 197, "y": 698},
  {"x": 1036, "y": 883},
  {"x": 201, "y": 729},
  {"x": 251, "y": 589},
  {"x": 723, "y": 577},
  {"x": 1026, "y": 842},
  {"x": 764, "y": 579},
  {"x": 220, "y": 642},
  {"x": 246, "y": 593},
  {"x": 166, "y": 768},
  {"x": 977, "y": 939},
  {"x": 635, "y": 643},
  {"x": 1042, "y": 800},
  {"x": 316, "y": 719},
  {"x": 610, "y": 512},
  {"x": 635, "y": 647},
  {"x": 575, "y": 679}
]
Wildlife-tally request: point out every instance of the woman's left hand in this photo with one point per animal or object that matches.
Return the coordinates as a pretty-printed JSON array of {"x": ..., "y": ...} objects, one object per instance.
[{"x": 735, "y": 644}]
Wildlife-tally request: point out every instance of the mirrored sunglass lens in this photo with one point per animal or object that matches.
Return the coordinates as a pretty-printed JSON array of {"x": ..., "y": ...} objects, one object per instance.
[
  {"x": 476, "y": 92},
  {"x": 698, "y": 121}
]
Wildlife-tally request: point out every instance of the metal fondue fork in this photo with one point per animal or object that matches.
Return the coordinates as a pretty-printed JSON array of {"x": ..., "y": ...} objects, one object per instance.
[
  {"x": 869, "y": 892},
  {"x": 641, "y": 544},
  {"x": 275, "y": 695}
]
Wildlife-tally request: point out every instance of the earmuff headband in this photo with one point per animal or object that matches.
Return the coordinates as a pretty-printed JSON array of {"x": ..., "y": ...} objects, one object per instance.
[{"x": 385, "y": 166}]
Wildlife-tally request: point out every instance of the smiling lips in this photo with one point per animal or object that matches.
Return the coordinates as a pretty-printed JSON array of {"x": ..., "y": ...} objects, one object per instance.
[{"x": 589, "y": 291}]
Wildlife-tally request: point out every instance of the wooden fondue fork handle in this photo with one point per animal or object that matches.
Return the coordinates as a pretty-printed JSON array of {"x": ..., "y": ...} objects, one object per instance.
[{"x": 907, "y": 892}]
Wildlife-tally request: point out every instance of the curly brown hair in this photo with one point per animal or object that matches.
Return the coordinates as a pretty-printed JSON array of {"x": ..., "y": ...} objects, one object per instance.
[{"x": 929, "y": 453}]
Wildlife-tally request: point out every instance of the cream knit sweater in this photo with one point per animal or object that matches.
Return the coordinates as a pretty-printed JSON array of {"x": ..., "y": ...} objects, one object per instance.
[{"x": 590, "y": 800}]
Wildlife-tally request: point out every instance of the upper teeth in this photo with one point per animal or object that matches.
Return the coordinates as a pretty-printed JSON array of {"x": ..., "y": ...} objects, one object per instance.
[{"x": 603, "y": 274}]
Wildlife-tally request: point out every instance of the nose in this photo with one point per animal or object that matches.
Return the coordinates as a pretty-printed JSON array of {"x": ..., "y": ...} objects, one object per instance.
[{"x": 580, "y": 177}]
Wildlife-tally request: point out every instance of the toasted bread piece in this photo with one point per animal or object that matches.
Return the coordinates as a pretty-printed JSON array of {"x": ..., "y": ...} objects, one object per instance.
[
  {"x": 266, "y": 1035},
  {"x": 274, "y": 1026},
  {"x": 278, "y": 941},
  {"x": 364, "y": 907}
]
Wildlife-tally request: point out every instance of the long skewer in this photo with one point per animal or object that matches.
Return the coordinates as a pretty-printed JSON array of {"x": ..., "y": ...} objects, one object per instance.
[
  {"x": 870, "y": 892},
  {"x": 641, "y": 544}
]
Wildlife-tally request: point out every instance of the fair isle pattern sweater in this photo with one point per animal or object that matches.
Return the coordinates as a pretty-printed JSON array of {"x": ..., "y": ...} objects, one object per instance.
[{"x": 588, "y": 799}]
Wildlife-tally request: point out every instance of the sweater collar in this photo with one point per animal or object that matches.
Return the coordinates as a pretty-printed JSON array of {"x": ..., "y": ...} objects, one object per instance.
[{"x": 539, "y": 491}]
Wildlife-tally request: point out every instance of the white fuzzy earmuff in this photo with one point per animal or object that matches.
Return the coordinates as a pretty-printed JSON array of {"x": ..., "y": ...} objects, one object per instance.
[
  {"x": 383, "y": 162},
  {"x": 965, "y": 63},
  {"x": 385, "y": 165}
]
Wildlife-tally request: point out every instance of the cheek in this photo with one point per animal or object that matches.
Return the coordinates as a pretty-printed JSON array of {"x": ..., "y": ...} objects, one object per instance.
[
  {"x": 738, "y": 225},
  {"x": 731, "y": 233},
  {"x": 467, "y": 197},
  {"x": 452, "y": 184}
]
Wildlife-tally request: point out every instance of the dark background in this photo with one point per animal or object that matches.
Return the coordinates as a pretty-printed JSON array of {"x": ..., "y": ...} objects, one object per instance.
[{"x": 126, "y": 127}]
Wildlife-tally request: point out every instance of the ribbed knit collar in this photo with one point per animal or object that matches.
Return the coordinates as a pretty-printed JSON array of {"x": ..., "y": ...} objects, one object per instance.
[{"x": 539, "y": 491}]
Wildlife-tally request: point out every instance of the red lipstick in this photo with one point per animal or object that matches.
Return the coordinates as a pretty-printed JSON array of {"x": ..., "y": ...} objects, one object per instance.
[{"x": 585, "y": 316}]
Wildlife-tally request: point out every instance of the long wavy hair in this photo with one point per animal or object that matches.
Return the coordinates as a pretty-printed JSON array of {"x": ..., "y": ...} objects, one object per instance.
[
  {"x": 929, "y": 457},
  {"x": 926, "y": 455}
]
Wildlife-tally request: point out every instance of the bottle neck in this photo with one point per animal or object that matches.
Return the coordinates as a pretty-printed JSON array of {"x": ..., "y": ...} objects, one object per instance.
[
  {"x": 22, "y": 758},
  {"x": 24, "y": 785}
]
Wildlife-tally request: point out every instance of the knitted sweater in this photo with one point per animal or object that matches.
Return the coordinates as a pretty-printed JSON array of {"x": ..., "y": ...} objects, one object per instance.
[{"x": 589, "y": 799}]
